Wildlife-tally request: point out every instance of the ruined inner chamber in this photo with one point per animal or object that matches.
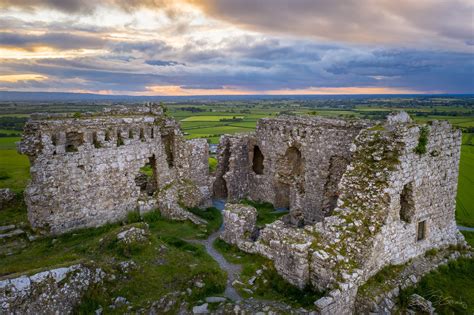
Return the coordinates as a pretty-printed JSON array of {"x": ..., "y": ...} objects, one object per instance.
[{"x": 291, "y": 162}]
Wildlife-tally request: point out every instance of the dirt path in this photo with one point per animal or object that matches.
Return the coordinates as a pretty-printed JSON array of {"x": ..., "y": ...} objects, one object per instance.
[{"x": 233, "y": 270}]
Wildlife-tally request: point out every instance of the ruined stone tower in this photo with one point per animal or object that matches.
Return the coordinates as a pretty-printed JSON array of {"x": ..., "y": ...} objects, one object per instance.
[
  {"x": 361, "y": 197},
  {"x": 94, "y": 168}
]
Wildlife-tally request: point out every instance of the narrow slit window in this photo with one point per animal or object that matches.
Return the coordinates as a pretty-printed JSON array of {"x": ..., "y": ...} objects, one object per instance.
[
  {"x": 421, "y": 232},
  {"x": 119, "y": 139}
]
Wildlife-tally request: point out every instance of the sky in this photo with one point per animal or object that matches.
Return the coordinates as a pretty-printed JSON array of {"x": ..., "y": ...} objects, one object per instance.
[{"x": 236, "y": 47}]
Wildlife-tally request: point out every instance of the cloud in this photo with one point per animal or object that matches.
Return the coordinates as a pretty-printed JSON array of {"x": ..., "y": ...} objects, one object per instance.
[
  {"x": 422, "y": 22},
  {"x": 263, "y": 47},
  {"x": 161, "y": 63},
  {"x": 86, "y": 6},
  {"x": 261, "y": 65},
  {"x": 61, "y": 41}
]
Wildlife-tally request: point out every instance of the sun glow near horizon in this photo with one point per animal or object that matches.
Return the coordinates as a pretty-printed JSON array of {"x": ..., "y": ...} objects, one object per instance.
[{"x": 188, "y": 47}]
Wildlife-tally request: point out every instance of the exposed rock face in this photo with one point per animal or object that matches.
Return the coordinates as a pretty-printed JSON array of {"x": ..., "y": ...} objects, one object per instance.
[
  {"x": 392, "y": 203},
  {"x": 132, "y": 235},
  {"x": 90, "y": 169},
  {"x": 6, "y": 196},
  {"x": 56, "y": 291},
  {"x": 420, "y": 304}
]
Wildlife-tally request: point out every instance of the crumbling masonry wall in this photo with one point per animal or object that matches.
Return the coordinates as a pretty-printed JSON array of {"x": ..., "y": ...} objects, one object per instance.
[
  {"x": 87, "y": 170},
  {"x": 394, "y": 203},
  {"x": 300, "y": 162}
]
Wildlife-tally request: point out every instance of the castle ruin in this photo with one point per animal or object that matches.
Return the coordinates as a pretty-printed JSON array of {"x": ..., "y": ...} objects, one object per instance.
[
  {"x": 361, "y": 195},
  {"x": 94, "y": 168}
]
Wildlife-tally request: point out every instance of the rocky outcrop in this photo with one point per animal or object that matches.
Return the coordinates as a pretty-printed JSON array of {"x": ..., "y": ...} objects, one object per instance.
[{"x": 55, "y": 291}]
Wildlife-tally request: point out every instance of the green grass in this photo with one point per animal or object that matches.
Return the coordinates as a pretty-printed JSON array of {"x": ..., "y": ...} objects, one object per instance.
[
  {"x": 212, "y": 164},
  {"x": 160, "y": 262},
  {"x": 14, "y": 212},
  {"x": 469, "y": 237},
  {"x": 14, "y": 167},
  {"x": 465, "y": 196},
  {"x": 266, "y": 213},
  {"x": 209, "y": 118},
  {"x": 450, "y": 288},
  {"x": 269, "y": 285}
]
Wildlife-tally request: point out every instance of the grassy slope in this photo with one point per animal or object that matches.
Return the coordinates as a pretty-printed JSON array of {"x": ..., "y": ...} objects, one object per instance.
[
  {"x": 270, "y": 285},
  {"x": 465, "y": 198},
  {"x": 14, "y": 168},
  {"x": 449, "y": 288},
  {"x": 160, "y": 268}
]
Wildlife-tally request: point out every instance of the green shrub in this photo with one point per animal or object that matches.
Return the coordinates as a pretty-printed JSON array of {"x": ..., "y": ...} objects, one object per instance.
[
  {"x": 133, "y": 217},
  {"x": 152, "y": 216},
  {"x": 422, "y": 140},
  {"x": 432, "y": 252},
  {"x": 212, "y": 215}
]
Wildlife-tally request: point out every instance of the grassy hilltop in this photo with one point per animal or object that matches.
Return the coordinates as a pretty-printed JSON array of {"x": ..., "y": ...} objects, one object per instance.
[{"x": 159, "y": 261}]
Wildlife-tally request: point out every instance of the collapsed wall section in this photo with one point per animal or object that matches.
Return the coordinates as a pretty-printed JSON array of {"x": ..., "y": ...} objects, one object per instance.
[{"x": 90, "y": 169}]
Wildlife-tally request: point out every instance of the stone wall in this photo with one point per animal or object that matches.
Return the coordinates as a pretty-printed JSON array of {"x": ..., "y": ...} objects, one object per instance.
[
  {"x": 87, "y": 170},
  {"x": 395, "y": 202},
  {"x": 55, "y": 291},
  {"x": 291, "y": 162}
]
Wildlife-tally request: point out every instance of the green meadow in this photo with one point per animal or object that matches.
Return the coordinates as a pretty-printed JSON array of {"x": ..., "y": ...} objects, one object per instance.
[
  {"x": 465, "y": 198},
  {"x": 14, "y": 168}
]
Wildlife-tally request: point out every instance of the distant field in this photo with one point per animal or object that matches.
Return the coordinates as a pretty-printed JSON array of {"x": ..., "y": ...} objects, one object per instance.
[
  {"x": 206, "y": 124},
  {"x": 210, "y": 118},
  {"x": 14, "y": 168}
]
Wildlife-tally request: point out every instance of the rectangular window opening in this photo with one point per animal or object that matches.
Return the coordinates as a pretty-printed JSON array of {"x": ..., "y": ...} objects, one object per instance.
[{"x": 421, "y": 232}]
